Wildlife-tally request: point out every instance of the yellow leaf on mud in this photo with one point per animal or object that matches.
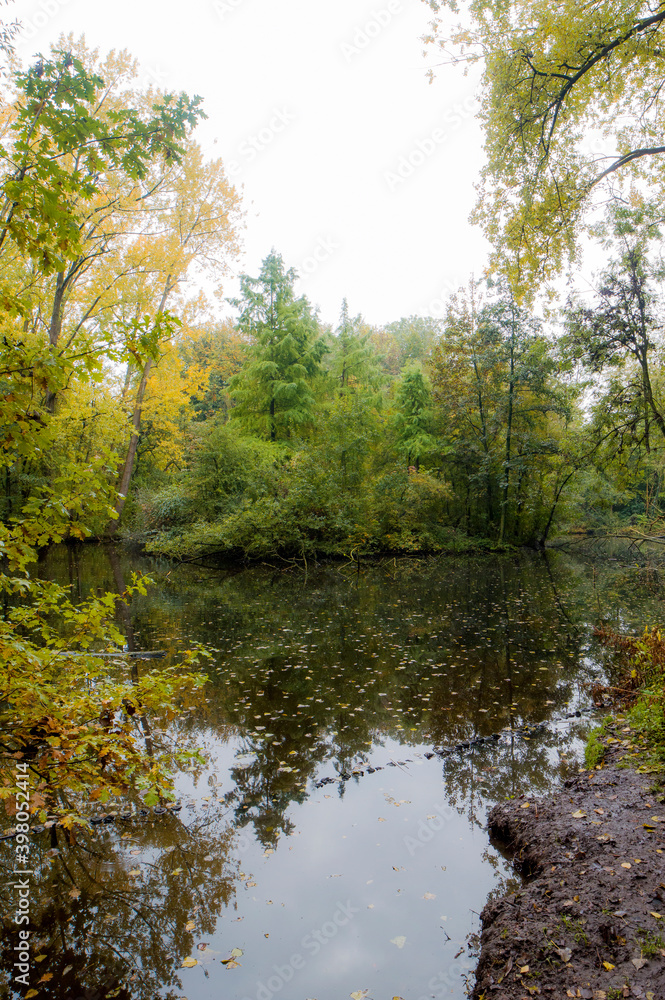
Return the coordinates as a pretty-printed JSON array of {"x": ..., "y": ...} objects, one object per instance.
[
  {"x": 658, "y": 916},
  {"x": 608, "y": 966},
  {"x": 189, "y": 963},
  {"x": 524, "y": 968},
  {"x": 579, "y": 814},
  {"x": 626, "y": 864}
]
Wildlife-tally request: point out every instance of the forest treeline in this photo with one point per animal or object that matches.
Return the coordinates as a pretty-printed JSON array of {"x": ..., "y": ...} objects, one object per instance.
[
  {"x": 136, "y": 409},
  {"x": 274, "y": 434}
]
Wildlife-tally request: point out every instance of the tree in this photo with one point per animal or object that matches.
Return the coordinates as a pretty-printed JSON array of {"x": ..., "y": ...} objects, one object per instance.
[
  {"x": 617, "y": 343},
  {"x": 554, "y": 78},
  {"x": 498, "y": 403},
  {"x": 67, "y": 712},
  {"x": 274, "y": 391},
  {"x": 352, "y": 361},
  {"x": 413, "y": 420}
]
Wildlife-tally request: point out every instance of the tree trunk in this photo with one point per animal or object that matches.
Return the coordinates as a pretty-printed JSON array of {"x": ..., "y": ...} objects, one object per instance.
[
  {"x": 125, "y": 477},
  {"x": 509, "y": 430},
  {"x": 55, "y": 328}
]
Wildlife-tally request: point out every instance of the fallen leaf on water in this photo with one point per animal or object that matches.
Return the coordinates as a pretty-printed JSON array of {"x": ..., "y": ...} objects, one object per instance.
[
  {"x": 579, "y": 814},
  {"x": 202, "y": 945},
  {"x": 231, "y": 964},
  {"x": 135, "y": 871},
  {"x": 269, "y": 850},
  {"x": 30, "y": 994},
  {"x": 189, "y": 963},
  {"x": 40, "y": 958},
  {"x": 429, "y": 895},
  {"x": 177, "y": 871},
  {"x": 382, "y": 819},
  {"x": 359, "y": 995},
  {"x": 236, "y": 952},
  {"x": 639, "y": 963},
  {"x": 190, "y": 925},
  {"x": 74, "y": 893},
  {"x": 399, "y": 941}
]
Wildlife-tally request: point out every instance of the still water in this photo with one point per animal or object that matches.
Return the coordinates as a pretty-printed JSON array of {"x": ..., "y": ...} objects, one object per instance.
[{"x": 324, "y": 850}]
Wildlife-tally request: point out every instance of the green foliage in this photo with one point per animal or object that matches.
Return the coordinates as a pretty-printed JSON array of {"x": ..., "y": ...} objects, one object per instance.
[
  {"x": 68, "y": 714},
  {"x": 414, "y": 419},
  {"x": 594, "y": 751},
  {"x": 274, "y": 391},
  {"x": 553, "y": 76},
  {"x": 61, "y": 151}
]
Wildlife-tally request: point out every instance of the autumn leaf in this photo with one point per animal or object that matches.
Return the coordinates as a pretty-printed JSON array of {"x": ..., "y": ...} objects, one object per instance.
[
  {"x": 400, "y": 941},
  {"x": 580, "y": 814},
  {"x": 359, "y": 995},
  {"x": 190, "y": 925},
  {"x": 429, "y": 895},
  {"x": 189, "y": 963}
]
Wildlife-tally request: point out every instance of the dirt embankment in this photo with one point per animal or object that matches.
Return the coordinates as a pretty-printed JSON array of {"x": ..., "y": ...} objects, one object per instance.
[{"x": 590, "y": 921}]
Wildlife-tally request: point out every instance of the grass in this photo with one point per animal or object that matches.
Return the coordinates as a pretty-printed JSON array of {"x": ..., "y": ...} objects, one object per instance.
[
  {"x": 642, "y": 659},
  {"x": 650, "y": 944},
  {"x": 594, "y": 752}
]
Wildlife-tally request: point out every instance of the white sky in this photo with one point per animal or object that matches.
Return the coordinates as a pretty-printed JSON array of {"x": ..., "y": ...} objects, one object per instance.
[{"x": 335, "y": 95}]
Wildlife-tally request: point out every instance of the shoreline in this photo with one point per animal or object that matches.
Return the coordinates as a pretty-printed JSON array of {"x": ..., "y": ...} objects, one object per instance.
[{"x": 589, "y": 921}]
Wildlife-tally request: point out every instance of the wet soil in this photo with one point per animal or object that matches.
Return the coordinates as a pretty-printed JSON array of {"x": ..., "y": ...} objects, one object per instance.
[{"x": 590, "y": 919}]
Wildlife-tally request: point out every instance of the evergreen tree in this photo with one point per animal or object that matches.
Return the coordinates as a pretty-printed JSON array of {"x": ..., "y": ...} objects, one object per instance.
[
  {"x": 414, "y": 417},
  {"x": 273, "y": 392}
]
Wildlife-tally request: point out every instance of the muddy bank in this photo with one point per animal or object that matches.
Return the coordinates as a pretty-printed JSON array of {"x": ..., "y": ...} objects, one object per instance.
[{"x": 590, "y": 921}]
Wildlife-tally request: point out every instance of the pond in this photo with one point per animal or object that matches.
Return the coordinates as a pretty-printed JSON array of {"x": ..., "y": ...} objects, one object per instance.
[{"x": 357, "y": 726}]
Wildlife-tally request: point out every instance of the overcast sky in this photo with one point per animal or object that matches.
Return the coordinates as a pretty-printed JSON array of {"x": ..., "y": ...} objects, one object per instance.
[{"x": 356, "y": 169}]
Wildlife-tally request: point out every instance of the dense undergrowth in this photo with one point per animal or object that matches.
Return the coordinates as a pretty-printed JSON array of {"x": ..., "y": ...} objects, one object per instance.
[{"x": 640, "y": 685}]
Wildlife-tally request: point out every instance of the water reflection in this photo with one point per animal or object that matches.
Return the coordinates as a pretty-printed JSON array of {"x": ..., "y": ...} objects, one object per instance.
[{"x": 349, "y": 678}]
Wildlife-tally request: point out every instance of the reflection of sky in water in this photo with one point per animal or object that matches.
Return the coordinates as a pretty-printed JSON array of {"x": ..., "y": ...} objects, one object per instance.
[
  {"x": 374, "y": 891},
  {"x": 374, "y": 883}
]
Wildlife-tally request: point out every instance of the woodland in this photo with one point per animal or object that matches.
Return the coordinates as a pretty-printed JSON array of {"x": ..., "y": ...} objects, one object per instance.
[{"x": 136, "y": 408}]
